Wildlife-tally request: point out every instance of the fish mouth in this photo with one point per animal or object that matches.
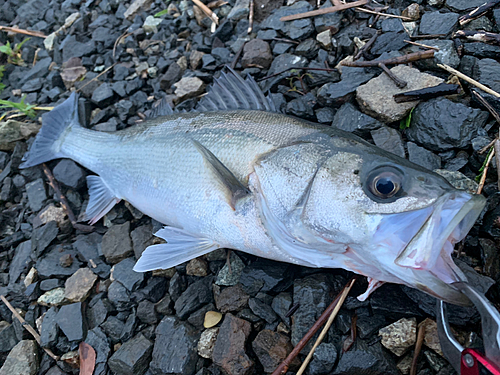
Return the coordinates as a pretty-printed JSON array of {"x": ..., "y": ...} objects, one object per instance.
[{"x": 428, "y": 253}]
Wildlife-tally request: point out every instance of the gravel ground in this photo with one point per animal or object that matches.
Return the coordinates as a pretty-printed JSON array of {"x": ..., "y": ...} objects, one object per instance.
[{"x": 200, "y": 318}]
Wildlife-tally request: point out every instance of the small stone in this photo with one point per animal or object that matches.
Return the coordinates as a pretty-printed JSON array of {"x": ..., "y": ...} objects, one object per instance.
[
  {"x": 487, "y": 72},
  {"x": 412, "y": 11},
  {"x": 438, "y": 23},
  {"x": 265, "y": 276},
  {"x": 195, "y": 59},
  {"x": 463, "y": 5},
  {"x": 271, "y": 349},
  {"x": 142, "y": 237},
  {"x": 8, "y": 337},
  {"x": 50, "y": 213},
  {"x": 103, "y": 95},
  {"x": 79, "y": 285},
  {"x": 66, "y": 260},
  {"x": 12, "y": 131},
  {"x": 212, "y": 318},
  {"x": 229, "y": 349},
  {"x": 123, "y": 272},
  {"x": 399, "y": 336},
  {"x": 172, "y": 75},
  {"x": 376, "y": 97},
  {"x": 233, "y": 298},
  {"x": 116, "y": 243},
  {"x": 97, "y": 339},
  {"x": 22, "y": 360},
  {"x": 423, "y": 157},
  {"x": 325, "y": 39},
  {"x": 21, "y": 261},
  {"x": 119, "y": 296},
  {"x": 431, "y": 337},
  {"x": 164, "y": 306},
  {"x": 226, "y": 278},
  {"x": 151, "y": 24},
  {"x": 404, "y": 365},
  {"x": 207, "y": 342},
  {"x": 196, "y": 295},
  {"x": 70, "y": 320},
  {"x": 36, "y": 194},
  {"x": 54, "y": 297},
  {"x": 135, "y": 7},
  {"x": 262, "y": 310},
  {"x": 257, "y": 52},
  {"x": 133, "y": 357},
  {"x": 70, "y": 174},
  {"x": 350, "y": 119},
  {"x": 188, "y": 87},
  {"x": 324, "y": 359},
  {"x": 239, "y": 11},
  {"x": 197, "y": 267},
  {"x": 389, "y": 139},
  {"x": 146, "y": 312}
]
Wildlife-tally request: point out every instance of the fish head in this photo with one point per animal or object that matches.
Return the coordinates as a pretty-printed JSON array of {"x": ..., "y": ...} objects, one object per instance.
[{"x": 403, "y": 220}]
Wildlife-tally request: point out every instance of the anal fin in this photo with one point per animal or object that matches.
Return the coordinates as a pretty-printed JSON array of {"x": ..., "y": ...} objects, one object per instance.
[
  {"x": 180, "y": 247},
  {"x": 101, "y": 199},
  {"x": 236, "y": 189}
]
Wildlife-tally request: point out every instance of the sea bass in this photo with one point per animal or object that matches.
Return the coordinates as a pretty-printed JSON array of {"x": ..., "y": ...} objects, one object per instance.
[{"x": 237, "y": 174}]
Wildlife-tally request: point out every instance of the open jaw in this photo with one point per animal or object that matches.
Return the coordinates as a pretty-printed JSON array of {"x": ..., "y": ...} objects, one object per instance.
[{"x": 424, "y": 241}]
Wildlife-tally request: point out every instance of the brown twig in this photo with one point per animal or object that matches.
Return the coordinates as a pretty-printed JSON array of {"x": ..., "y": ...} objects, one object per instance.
[
  {"x": 216, "y": 4},
  {"x": 283, "y": 367},
  {"x": 64, "y": 202},
  {"x": 468, "y": 79},
  {"x": 399, "y": 82},
  {"x": 237, "y": 56},
  {"x": 117, "y": 41},
  {"x": 420, "y": 55},
  {"x": 496, "y": 148},
  {"x": 478, "y": 12},
  {"x": 357, "y": 9},
  {"x": 368, "y": 45},
  {"x": 478, "y": 36},
  {"x": 29, "y": 328},
  {"x": 250, "y": 16},
  {"x": 487, "y": 105},
  {"x": 485, "y": 171},
  {"x": 292, "y": 68},
  {"x": 329, "y": 322},
  {"x": 97, "y": 77},
  {"x": 421, "y": 45},
  {"x": 427, "y": 36},
  {"x": 418, "y": 347},
  {"x": 208, "y": 12},
  {"x": 319, "y": 12},
  {"x": 16, "y": 30}
]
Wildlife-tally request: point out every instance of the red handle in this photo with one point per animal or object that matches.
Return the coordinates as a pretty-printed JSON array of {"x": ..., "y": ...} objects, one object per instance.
[{"x": 470, "y": 363}]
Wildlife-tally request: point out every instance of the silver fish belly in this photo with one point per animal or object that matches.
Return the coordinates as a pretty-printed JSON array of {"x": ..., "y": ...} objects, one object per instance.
[{"x": 237, "y": 175}]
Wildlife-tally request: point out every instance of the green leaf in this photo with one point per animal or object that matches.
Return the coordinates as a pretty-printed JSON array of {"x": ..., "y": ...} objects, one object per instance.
[
  {"x": 20, "y": 45},
  {"x": 2, "y": 69},
  {"x": 6, "y": 49},
  {"x": 161, "y": 13},
  {"x": 27, "y": 109},
  {"x": 405, "y": 123}
]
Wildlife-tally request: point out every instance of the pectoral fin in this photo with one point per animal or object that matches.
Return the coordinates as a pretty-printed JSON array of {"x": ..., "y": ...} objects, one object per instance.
[
  {"x": 101, "y": 199},
  {"x": 180, "y": 247},
  {"x": 235, "y": 188}
]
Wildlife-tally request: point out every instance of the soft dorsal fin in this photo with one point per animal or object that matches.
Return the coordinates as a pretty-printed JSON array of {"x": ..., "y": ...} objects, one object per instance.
[
  {"x": 161, "y": 109},
  {"x": 231, "y": 92},
  {"x": 236, "y": 189}
]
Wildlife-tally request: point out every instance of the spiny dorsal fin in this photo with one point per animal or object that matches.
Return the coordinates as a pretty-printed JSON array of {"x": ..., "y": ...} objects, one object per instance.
[
  {"x": 225, "y": 176},
  {"x": 231, "y": 92},
  {"x": 161, "y": 109}
]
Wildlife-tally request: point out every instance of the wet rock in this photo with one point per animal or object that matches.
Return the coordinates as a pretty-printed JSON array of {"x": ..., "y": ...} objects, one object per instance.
[
  {"x": 207, "y": 341},
  {"x": 367, "y": 325},
  {"x": 133, "y": 357},
  {"x": 324, "y": 359},
  {"x": 119, "y": 296},
  {"x": 155, "y": 289},
  {"x": 174, "y": 348},
  {"x": 281, "y": 305},
  {"x": 50, "y": 329},
  {"x": 389, "y": 41},
  {"x": 116, "y": 243},
  {"x": 324, "y": 115},
  {"x": 487, "y": 71},
  {"x": 163, "y": 306},
  {"x": 257, "y": 52},
  {"x": 36, "y": 194},
  {"x": 389, "y": 139},
  {"x": 79, "y": 285},
  {"x": 295, "y": 30},
  {"x": 23, "y": 359},
  {"x": 196, "y": 295},
  {"x": 70, "y": 319},
  {"x": 229, "y": 350},
  {"x": 197, "y": 267},
  {"x": 423, "y": 157},
  {"x": 366, "y": 359},
  {"x": 271, "y": 348},
  {"x": 392, "y": 25},
  {"x": 375, "y": 98},
  {"x": 123, "y": 272},
  {"x": 146, "y": 312},
  {"x": 226, "y": 278},
  {"x": 458, "y": 162},
  {"x": 438, "y": 23},
  {"x": 142, "y": 237},
  {"x": 264, "y": 276},
  {"x": 399, "y": 336},
  {"x": 70, "y": 174},
  {"x": 98, "y": 340},
  {"x": 463, "y": 5},
  {"x": 20, "y": 262},
  {"x": 262, "y": 310},
  {"x": 307, "y": 48},
  {"x": 441, "y": 124},
  {"x": 54, "y": 297},
  {"x": 336, "y": 94},
  {"x": 382, "y": 302},
  {"x": 49, "y": 266},
  {"x": 350, "y": 119},
  {"x": 189, "y": 87},
  {"x": 8, "y": 337},
  {"x": 481, "y": 50}
]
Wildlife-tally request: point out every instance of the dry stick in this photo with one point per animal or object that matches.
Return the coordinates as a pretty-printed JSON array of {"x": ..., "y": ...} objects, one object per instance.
[
  {"x": 368, "y": 45},
  {"x": 418, "y": 347},
  {"x": 319, "y": 12},
  {"x": 97, "y": 77},
  {"x": 237, "y": 56},
  {"x": 421, "y": 45},
  {"x": 485, "y": 171},
  {"x": 283, "y": 367},
  {"x": 29, "y": 328},
  {"x": 118, "y": 40},
  {"x": 478, "y": 36},
  {"x": 64, "y": 202},
  {"x": 323, "y": 333},
  {"x": 487, "y": 105},
  {"x": 284, "y": 40},
  {"x": 478, "y": 12},
  {"x": 399, "y": 82},
  {"x": 427, "y": 36},
  {"x": 38, "y": 34},
  {"x": 250, "y": 16},
  {"x": 427, "y": 54},
  {"x": 208, "y": 12},
  {"x": 357, "y": 9},
  {"x": 468, "y": 79}
]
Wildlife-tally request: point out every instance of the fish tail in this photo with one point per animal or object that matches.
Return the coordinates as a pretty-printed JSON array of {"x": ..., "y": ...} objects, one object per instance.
[{"x": 55, "y": 125}]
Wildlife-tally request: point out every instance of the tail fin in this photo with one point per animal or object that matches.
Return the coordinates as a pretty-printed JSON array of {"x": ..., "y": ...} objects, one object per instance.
[{"x": 47, "y": 144}]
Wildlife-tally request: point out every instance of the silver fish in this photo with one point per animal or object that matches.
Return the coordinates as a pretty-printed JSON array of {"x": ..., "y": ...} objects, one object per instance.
[{"x": 237, "y": 174}]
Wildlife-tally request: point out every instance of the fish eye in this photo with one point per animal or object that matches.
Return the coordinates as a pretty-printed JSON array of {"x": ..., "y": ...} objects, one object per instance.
[{"x": 385, "y": 184}]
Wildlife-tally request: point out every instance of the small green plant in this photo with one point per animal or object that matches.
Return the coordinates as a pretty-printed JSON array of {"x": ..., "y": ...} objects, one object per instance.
[
  {"x": 27, "y": 109},
  {"x": 161, "y": 13},
  {"x": 481, "y": 170},
  {"x": 405, "y": 123},
  {"x": 2, "y": 69},
  {"x": 14, "y": 53}
]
